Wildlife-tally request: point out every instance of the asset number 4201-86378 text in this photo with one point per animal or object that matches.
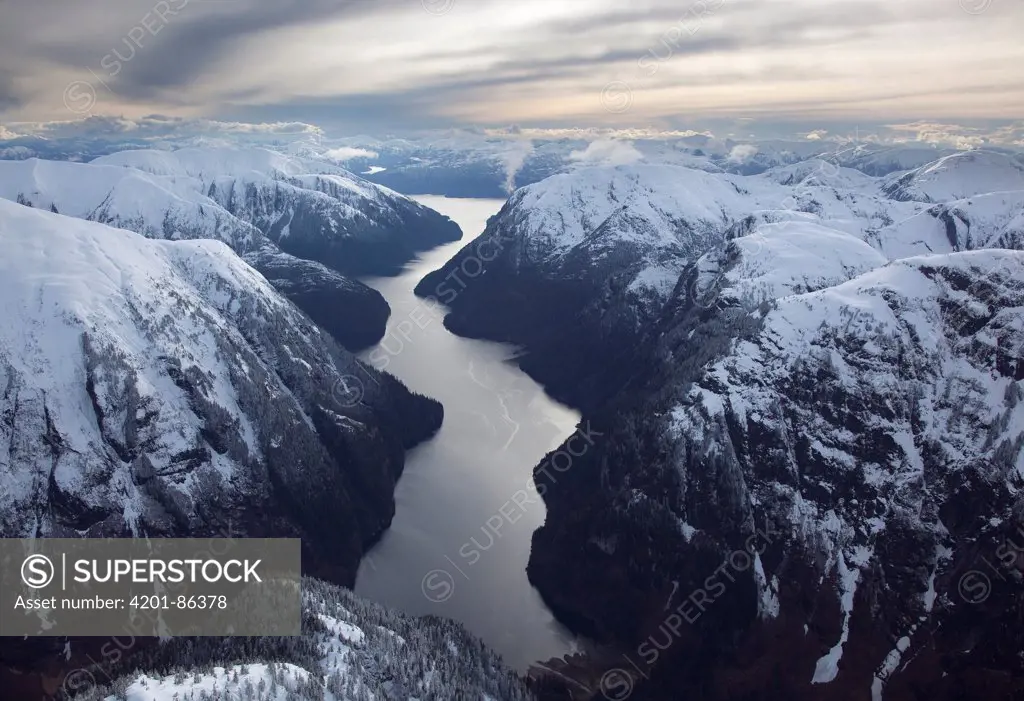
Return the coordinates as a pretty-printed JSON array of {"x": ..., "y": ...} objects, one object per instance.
[{"x": 197, "y": 602}]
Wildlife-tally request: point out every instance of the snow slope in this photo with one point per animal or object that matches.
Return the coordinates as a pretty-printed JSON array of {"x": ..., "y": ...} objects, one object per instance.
[
  {"x": 655, "y": 206},
  {"x": 154, "y": 205},
  {"x": 958, "y": 176},
  {"x": 990, "y": 220},
  {"x": 309, "y": 207},
  {"x": 880, "y": 160},
  {"x": 351, "y": 650},
  {"x": 781, "y": 259},
  {"x": 144, "y": 380},
  {"x": 164, "y": 203}
]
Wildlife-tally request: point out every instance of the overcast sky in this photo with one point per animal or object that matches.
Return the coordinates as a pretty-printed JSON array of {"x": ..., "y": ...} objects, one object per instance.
[{"x": 396, "y": 64}]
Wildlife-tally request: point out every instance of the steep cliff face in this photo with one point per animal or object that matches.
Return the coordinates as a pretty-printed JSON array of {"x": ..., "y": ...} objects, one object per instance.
[
  {"x": 165, "y": 388},
  {"x": 869, "y": 436},
  {"x": 813, "y": 425}
]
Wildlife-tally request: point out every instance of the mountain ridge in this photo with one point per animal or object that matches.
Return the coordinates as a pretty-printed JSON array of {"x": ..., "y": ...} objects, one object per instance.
[{"x": 815, "y": 342}]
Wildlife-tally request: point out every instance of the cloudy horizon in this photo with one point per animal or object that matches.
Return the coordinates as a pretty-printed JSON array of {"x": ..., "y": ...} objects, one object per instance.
[{"x": 784, "y": 66}]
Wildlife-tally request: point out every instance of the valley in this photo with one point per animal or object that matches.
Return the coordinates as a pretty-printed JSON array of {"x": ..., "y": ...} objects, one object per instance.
[
  {"x": 535, "y": 351},
  {"x": 466, "y": 505},
  {"x": 641, "y": 429}
]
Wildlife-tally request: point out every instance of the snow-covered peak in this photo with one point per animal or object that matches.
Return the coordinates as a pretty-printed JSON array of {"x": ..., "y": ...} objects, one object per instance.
[
  {"x": 210, "y": 161},
  {"x": 79, "y": 186},
  {"x": 959, "y": 176},
  {"x": 880, "y": 160},
  {"x": 86, "y": 271},
  {"x": 649, "y": 205},
  {"x": 991, "y": 220},
  {"x": 308, "y": 207},
  {"x": 154, "y": 205},
  {"x": 815, "y": 171},
  {"x": 217, "y": 165},
  {"x": 781, "y": 259}
]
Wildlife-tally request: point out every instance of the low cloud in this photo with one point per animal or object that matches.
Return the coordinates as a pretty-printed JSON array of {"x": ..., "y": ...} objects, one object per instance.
[
  {"x": 347, "y": 153},
  {"x": 514, "y": 158},
  {"x": 956, "y": 135},
  {"x": 608, "y": 152},
  {"x": 741, "y": 153}
]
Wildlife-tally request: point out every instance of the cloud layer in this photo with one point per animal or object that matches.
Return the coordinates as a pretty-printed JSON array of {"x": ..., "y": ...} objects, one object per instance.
[{"x": 403, "y": 64}]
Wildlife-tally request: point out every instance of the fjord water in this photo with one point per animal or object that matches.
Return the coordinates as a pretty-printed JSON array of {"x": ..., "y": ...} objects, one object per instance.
[{"x": 466, "y": 507}]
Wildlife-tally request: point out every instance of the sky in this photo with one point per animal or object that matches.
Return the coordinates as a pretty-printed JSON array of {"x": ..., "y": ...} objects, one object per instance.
[{"x": 366, "y": 65}]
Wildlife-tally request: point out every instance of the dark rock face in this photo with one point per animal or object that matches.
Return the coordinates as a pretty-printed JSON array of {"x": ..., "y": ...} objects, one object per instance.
[
  {"x": 788, "y": 495},
  {"x": 353, "y": 313},
  {"x": 859, "y": 537},
  {"x": 554, "y": 319}
]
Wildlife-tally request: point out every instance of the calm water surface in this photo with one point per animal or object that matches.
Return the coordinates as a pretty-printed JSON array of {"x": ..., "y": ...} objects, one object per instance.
[{"x": 467, "y": 509}]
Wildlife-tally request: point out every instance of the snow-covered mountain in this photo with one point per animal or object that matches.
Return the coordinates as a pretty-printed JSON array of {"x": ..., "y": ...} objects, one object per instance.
[
  {"x": 350, "y": 650},
  {"x": 308, "y": 207},
  {"x": 598, "y": 250},
  {"x": 826, "y": 372},
  {"x": 879, "y": 159},
  {"x": 578, "y": 261},
  {"x": 156, "y": 207},
  {"x": 873, "y": 428},
  {"x": 958, "y": 177},
  {"x": 165, "y": 388},
  {"x": 175, "y": 208},
  {"x": 991, "y": 220}
]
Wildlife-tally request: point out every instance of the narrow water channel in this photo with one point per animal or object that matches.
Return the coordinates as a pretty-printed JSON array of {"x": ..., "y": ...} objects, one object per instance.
[{"x": 466, "y": 507}]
